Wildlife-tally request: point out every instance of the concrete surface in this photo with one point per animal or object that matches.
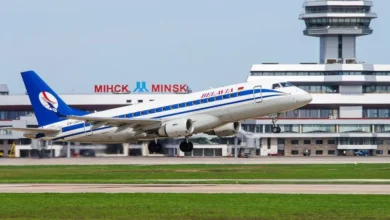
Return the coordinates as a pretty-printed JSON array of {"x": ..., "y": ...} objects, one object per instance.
[
  {"x": 192, "y": 160},
  {"x": 196, "y": 188}
]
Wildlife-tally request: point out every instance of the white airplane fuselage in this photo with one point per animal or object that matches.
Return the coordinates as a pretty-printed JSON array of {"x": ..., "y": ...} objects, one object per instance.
[{"x": 223, "y": 105}]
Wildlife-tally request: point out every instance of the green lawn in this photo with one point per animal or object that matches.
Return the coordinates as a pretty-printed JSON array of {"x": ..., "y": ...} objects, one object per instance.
[
  {"x": 146, "y": 174},
  {"x": 194, "y": 206}
]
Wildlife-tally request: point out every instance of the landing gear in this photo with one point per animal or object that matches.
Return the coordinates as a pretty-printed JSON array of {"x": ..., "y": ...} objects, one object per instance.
[
  {"x": 186, "y": 146},
  {"x": 154, "y": 147},
  {"x": 275, "y": 128}
]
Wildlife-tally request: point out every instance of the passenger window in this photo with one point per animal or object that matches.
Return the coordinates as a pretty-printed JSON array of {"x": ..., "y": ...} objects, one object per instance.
[
  {"x": 234, "y": 94},
  {"x": 219, "y": 98},
  {"x": 182, "y": 105},
  {"x": 159, "y": 110},
  {"x": 226, "y": 96},
  {"x": 204, "y": 100},
  {"x": 175, "y": 106},
  {"x": 276, "y": 86},
  {"x": 130, "y": 115},
  {"x": 197, "y": 102},
  {"x": 151, "y": 111},
  {"x": 144, "y": 112},
  {"x": 167, "y": 108},
  {"x": 137, "y": 114},
  {"x": 211, "y": 99},
  {"x": 189, "y": 103}
]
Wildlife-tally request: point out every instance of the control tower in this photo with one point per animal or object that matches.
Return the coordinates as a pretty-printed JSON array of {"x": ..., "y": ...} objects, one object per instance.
[{"x": 337, "y": 23}]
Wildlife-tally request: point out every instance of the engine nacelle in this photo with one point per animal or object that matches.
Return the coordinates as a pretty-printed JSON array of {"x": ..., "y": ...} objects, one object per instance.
[
  {"x": 177, "y": 128},
  {"x": 226, "y": 130}
]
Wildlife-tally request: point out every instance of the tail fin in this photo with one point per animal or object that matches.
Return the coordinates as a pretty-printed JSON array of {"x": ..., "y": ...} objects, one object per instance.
[{"x": 48, "y": 106}]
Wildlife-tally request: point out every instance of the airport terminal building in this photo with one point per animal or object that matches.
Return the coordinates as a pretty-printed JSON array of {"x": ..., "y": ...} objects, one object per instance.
[
  {"x": 350, "y": 110},
  {"x": 349, "y": 114}
]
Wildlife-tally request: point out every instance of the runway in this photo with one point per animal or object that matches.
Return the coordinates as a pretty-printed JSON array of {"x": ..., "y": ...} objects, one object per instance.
[
  {"x": 191, "y": 160},
  {"x": 197, "y": 188}
]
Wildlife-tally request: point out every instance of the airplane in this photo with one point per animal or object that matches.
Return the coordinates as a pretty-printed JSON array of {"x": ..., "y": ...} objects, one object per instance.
[{"x": 215, "y": 111}]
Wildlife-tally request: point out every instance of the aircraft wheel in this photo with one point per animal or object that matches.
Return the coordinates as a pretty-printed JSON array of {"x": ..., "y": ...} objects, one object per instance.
[
  {"x": 185, "y": 146},
  {"x": 154, "y": 147},
  {"x": 159, "y": 147},
  {"x": 191, "y": 146}
]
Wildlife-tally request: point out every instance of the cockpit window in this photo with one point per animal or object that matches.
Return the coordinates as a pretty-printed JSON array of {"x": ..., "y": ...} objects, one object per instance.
[
  {"x": 276, "y": 86},
  {"x": 286, "y": 84}
]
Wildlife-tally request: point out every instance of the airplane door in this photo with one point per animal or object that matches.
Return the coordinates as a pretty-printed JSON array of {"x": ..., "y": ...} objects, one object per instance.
[
  {"x": 87, "y": 129},
  {"x": 257, "y": 95}
]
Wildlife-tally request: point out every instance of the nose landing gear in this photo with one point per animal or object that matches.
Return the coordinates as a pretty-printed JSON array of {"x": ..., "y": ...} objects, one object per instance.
[{"x": 275, "y": 128}]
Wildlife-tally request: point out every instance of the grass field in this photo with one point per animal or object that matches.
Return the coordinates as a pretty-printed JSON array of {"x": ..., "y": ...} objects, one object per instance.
[
  {"x": 194, "y": 206},
  {"x": 222, "y": 173}
]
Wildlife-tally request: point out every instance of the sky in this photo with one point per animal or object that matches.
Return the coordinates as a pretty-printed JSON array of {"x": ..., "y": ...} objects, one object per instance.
[{"x": 74, "y": 45}]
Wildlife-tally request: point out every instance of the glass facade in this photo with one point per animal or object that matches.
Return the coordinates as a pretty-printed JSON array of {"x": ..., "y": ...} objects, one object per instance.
[
  {"x": 376, "y": 113},
  {"x": 376, "y": 89},
  {"x": 252, "y": 128},
  {"x": 320, "y": 88},
  {"x": 12, "y": 115},
  {"x": 382, "y": 128},
  {"x": 337, "y": 9},
  {"x": 311, "y": 113},
  {"x": 338, "y": 22},
  {"x": 359, "y": 141},
  {"x": 5, "y": 132},
  {"x": 355, "y": 128},
  {"x": 318, "y": 128},
  {"x": 322, "y": 73}
]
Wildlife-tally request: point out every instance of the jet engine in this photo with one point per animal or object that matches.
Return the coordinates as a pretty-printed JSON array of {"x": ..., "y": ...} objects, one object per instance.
[
  {"x": 226, "y": 130},
  {"x": 177, "y": 128}
]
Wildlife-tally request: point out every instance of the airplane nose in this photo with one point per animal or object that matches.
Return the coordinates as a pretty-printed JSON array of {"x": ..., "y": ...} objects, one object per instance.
[{"x": 303, "y": 98}]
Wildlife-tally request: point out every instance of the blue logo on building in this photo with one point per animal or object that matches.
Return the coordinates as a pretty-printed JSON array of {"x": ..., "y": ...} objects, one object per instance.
[{"x": 141, "y": 87}]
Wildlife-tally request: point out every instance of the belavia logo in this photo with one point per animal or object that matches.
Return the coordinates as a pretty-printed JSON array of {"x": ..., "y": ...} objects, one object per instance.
[
  {"x": 48, "y": 101},
  {"x": 161, "y": 88}
]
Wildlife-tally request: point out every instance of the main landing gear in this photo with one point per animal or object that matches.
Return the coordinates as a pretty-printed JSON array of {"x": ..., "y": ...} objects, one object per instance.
[
  {"x": 154, "y": 147},
  {"x": 186, "y": 146},
  {"x": 275, "y": 128}
]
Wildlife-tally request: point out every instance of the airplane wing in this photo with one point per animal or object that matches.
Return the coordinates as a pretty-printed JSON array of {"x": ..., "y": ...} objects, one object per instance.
[
  {"x": 122, "y": 123},
  {"x": 33, "y": 130}
]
